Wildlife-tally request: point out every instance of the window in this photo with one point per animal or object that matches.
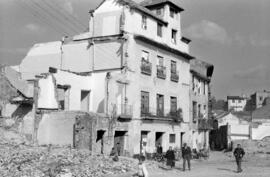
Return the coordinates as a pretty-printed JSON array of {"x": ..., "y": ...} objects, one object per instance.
[
  {"x": 144, "y": 102},
  {"x": 199, "y": 86},
  {"x": 159, "y": 11},
  {"x": 159, "y": 29},
  {"x": 172, "y": 12},
  {"x": 261, "y": 98},
  {"x": 194, "y": 110},
  {"x": 233, "y": 101},
  {"x": 199, "y": 110},
  {"x": 173, "y": 66},
  {"x": 160, "y": 105},
  {"x": 144, "y": 22},
  {"x": 193, "y": 82},
  {"x": 239, "y": 101},
  {"x": 145, "y": 56},
  {"x": 160, "y": 60},
  {"x": 173, "y": 104},
  {"x": 172, "y": 138},
  {"x": 203, "y": 87},
  {"x": 204, "y": 107},
  {"x": 174, "y": 35}
]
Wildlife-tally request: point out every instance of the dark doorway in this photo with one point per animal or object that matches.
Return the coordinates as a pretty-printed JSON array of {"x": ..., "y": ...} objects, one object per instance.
[
  {"x": 159, "y": 138},
  {"x": 119, "y": 141},
  {"x": 181, "y": 140},
  {"x": 100, "y": 140}
]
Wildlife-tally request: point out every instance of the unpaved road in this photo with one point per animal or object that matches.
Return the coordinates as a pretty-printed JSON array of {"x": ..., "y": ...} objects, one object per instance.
[{"x": 218, "y": 165}]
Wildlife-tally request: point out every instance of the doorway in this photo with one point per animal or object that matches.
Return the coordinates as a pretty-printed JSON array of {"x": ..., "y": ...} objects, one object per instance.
[
  {"x": 181, "y": 140},
  {"x": 119, "y": 141},
  {"x": 100, "y": 140},
  {"x": 85, "y": 100},
  {"x": 158, "y": 138}
]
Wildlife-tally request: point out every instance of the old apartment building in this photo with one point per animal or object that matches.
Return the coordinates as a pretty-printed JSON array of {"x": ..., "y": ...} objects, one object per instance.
[
  {"x": 200, "y": 93},
  {"x": 133, "y": 66}
]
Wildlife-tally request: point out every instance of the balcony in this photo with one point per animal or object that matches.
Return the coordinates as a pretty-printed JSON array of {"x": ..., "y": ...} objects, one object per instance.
[
  {"x": 174, "y": 76},
  {"x": 164, "y": 115},
  {"x": 125, "y": 111},
  {"x": 161, "y": 72},
  {"x": 146, "y": 67},
  {"x": 205, "y": 124}
]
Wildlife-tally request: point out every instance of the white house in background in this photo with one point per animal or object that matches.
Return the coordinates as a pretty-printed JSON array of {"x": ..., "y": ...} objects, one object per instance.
[
  {"x": 261, "y": 122},
  {"x": 236, "y": 103},
  {"x": 238, "y": 125}
]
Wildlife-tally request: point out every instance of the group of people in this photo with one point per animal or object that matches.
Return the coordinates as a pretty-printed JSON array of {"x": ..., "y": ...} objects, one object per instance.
[
  {"x": 170, "y": 156},
  {"x": 186, "y": 155}
]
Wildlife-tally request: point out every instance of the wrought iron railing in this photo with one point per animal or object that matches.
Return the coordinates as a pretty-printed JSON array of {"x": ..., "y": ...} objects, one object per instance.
[
  {"x": 161, "y": 72},
  {"x": 174, "y": 76},
  {"x": 146, "y": 67}
]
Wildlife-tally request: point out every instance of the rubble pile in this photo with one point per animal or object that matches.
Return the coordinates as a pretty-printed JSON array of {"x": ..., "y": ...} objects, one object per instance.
[
  {"x": 20, "y": 160},
  {"x": 255, "y": 147}
]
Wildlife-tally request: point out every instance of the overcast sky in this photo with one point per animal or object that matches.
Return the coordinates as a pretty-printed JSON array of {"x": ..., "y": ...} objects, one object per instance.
[{"x": 234, "y": 35}]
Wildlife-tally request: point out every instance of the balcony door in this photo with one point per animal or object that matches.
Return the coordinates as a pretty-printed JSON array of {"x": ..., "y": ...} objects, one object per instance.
[
  {"x": 144, "y": 103},
  {"x": 160, "y": 105}
]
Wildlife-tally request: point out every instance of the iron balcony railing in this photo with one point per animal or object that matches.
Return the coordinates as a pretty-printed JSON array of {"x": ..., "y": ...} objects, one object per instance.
[
  {"x": 125, "y": 111},
  {"x": 174, "y": 76},
  {"x": 146, "y": 67},
  {"x": 164, "y": 114},
  {"x": 161, "y": 72}
]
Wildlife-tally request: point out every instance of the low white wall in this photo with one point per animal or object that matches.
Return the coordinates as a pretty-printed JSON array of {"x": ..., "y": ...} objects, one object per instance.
[
  {"x": 239, "y": 132},
  {"x": 261, "y": 132}
]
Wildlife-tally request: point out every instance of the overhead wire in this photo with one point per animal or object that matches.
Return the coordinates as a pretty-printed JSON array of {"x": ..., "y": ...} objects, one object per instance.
[
  {"x": 43, "y": 19},
  {"x": 55, "y": 17},
  {"x": 55, "y": 6}
]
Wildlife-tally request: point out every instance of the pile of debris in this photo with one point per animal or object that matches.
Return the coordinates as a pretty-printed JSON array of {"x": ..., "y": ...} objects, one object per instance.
[
  {"x": 255, "y": 146},
  {"x": 27, "y": 161}
]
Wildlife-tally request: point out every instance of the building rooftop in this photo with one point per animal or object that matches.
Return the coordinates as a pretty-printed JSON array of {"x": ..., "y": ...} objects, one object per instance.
[
  {"x": 163, "y": 46},
  {"x": 201, "y": 69},
  {"x": 151, "y": 3},
  {"x": 262, "y": 112},
  {"x": 134, "y": 5},
  {"x": 235, "y": 98}
]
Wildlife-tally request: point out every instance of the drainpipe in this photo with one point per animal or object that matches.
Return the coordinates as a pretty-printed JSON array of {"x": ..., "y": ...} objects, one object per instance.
[{"x": 108, "y": 77}]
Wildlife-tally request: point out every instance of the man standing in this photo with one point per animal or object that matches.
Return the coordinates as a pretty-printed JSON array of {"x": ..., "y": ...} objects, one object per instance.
[
  {"x": 118, "y": 149},
  {"x": 186, "y": 154},
  {"x": 159, "y": 149},
  {"x": 170, "y": 157},
  {"x": 239, "y": 154}
]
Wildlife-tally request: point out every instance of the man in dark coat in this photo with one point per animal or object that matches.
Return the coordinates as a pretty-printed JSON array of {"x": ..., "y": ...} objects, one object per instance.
[
  {"x": 239, "y": 154},
  {"x": 170, "y": 157},
  {"x": 186, "y": 154},
  {"x": 159, "y": 149}
]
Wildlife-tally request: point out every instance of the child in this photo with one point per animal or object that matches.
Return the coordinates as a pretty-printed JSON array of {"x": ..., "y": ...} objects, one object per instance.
[{"x": 142, "y": 171}]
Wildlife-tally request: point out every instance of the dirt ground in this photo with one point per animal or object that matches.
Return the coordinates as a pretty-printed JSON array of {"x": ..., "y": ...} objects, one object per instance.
[{"x": 218, "y": 165}]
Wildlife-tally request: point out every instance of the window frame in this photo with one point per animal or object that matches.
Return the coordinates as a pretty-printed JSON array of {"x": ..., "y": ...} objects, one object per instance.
[
  {"x": 159, "y": 29},
  {"x": 145, "y": 103},
  {"x": 172, "y": 138},
  {"x": 144, "y": 22},
  {"x": 173, "y": 104},
  {"x": 173, "y": 67},
  {"x": 174, "y": 36}
]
